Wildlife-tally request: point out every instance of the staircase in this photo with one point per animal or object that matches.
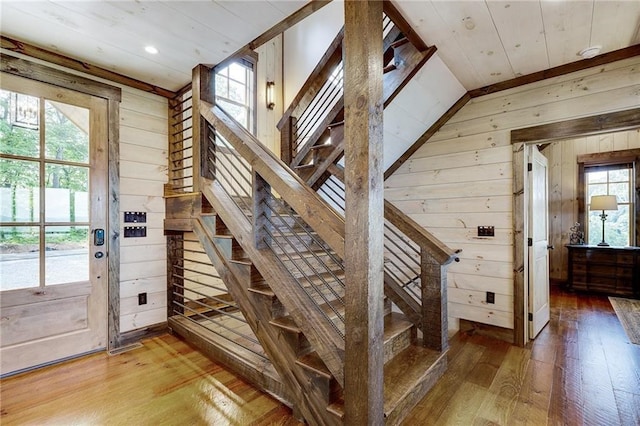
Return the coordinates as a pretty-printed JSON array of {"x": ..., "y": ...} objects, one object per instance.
[{"x": 277, "y": 246}]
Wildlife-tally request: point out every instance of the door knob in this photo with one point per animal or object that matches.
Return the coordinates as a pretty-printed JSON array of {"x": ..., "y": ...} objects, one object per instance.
[
  {"x": 99, "y": 255},
  {"x": 550, "y": 247}
]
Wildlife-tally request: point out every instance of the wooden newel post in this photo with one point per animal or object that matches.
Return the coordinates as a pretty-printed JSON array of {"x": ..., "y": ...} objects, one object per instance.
[
  {"x": 201, "y": 89},
  {"x": 433, "y": 277},
  {"x": 175, "y": 282},
  {"x": 262, "y": 202},
  {"x": 287, "y": 138},
  {"x": 364, "y": 214}
]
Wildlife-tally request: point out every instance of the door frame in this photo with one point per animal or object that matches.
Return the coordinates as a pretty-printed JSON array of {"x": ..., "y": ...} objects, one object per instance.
[
  {"x": 54, "y": 76},
  {"x": 593, "y": 125}
]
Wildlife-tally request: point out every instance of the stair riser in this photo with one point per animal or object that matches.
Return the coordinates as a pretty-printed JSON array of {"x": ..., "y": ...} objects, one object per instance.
[
  {"x": 398, "y": 343},
  {"x": 413, "y": 398}
]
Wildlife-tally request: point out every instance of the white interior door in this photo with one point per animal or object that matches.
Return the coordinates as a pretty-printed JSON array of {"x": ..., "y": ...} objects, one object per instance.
[
  {"x": 539, "y": 243},
  {"x": 53, "y": 198}
]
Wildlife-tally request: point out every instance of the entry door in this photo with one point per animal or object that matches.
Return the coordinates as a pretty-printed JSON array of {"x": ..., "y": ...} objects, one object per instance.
[
  {"x": 53, "y": 204},
  {"x": 538, "y": 250}
]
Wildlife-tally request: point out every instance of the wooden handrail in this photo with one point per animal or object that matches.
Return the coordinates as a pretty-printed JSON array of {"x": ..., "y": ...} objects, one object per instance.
[
  {"x": 412, "y": 229},
  {"x": 304, "y": 200},
  {"x": 423, "y": 238},
  {"x": 316, "y": 79}
]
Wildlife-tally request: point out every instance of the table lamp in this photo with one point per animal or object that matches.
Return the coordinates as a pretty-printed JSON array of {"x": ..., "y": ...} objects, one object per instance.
[{"x": 604, "y": 202}]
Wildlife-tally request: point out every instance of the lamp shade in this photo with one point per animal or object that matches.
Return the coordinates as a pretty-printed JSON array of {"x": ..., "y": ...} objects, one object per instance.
[{"x": 604, "y": 202}]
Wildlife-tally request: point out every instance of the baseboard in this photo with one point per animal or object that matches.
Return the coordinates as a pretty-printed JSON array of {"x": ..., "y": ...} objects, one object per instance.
[
  {"x": 134, "y": 336},
  {"x": 493, "y": 331}
]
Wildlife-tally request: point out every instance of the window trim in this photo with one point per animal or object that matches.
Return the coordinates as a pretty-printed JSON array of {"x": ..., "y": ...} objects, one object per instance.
[
  {"x": 250, "y": 62},
  {"x": 630, "y": 156}
]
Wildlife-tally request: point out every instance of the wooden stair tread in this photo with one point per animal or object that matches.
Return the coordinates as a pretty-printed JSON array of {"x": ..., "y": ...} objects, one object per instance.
[
  {"x": 394, "y": 324},
  {"x": 262, "y": 289},
  {"x": 406, "y": 371},
  {"x": 304, "y": 166},
  {"x": 244, "y": 261},
  {"x": 322, "y": 146},
  {"x": 313, "y": 362},
  {"x": 401, "y": 376},
  {"x": 286, "y": 323}
]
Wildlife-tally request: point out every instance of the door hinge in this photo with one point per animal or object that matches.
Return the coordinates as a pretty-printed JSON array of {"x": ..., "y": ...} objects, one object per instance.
[
  {"x": 530, "y": 242},
  {"x": 529, "y": 167},
  {"x": 530, "y": 316}
]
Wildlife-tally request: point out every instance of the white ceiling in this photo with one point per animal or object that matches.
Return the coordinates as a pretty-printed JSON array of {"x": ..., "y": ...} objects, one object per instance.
[
  {"x": 113, "y": 34},
  {"x": 482, "y": 42}
]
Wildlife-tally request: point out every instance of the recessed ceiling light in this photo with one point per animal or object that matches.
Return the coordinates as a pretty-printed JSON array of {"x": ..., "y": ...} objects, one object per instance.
[
  {"x": 590, "y": 52},
  {"x": 150, "y": 49}
]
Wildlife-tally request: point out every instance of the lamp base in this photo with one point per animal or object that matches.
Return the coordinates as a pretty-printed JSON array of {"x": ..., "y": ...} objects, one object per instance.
[{"x": 603, "y": 244}]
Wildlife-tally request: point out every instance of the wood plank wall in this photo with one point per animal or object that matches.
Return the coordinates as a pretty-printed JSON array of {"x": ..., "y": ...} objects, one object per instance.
[
  {"x": 563, "y": 182},
  {"x": 143, "y": 173},
  {"x": 462, "y": 178},
  {"x": 269, "y": 68}
]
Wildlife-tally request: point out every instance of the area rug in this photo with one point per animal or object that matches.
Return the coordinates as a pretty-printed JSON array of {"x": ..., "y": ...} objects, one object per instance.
[{"x": 628, "y": 312}]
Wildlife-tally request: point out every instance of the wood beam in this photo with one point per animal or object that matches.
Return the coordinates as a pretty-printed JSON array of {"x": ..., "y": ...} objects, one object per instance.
[
  {"x": 616, "y": 55},
  {"x": 288, "y": 22},
  {"x": 603, "y": 123},
  {"x": 364, "y": 216},
  {"x": 404, "y": 26},
  {"x": 201, "y": 90},
  {"x": 77, "y": 65}
]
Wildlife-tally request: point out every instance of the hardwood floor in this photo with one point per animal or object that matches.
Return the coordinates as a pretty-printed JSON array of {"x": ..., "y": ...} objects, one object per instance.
[{"x": 581, "y": 370}]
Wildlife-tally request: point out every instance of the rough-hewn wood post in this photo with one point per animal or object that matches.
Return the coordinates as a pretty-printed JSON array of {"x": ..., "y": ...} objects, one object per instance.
[
  {"x": 433, "y": 277},
  {"x": 201, "y": 89},
  {"x": 175, "y": 284},
  {"x": 287, "y": 137},
  {"x": 364, "y": 216}
]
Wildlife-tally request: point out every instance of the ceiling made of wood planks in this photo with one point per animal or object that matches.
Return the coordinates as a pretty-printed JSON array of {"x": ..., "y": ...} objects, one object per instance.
[{"x": 482, "y": 42}]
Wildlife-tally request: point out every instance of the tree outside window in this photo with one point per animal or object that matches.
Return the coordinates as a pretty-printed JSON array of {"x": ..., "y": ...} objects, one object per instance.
[
  {"x": 610, "y": 180},
  {"x": 234, "y": 92}
]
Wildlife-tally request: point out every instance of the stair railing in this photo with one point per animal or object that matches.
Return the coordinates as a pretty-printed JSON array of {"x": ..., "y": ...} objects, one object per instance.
[
  {"x": 319, "y": 102},
  {"x": 180, "y": 143},
  {"x": 415, "y": 264},
  {"x": 287, "y": 217},
  {"x": 315, "y": 105}
]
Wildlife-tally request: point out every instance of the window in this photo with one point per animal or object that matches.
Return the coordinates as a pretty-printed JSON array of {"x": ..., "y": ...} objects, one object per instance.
[
  {"x": 44, "y": 191},
  {"x": 235, "y": 92},
  {"x": 615, "y": 180}
]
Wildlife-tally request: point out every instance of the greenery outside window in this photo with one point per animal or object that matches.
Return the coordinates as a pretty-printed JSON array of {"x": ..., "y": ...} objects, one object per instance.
[
  {"x": 235, "y": 92},
  {"x": 615, "y": 180},
  {"x": 610, "y": 173}
]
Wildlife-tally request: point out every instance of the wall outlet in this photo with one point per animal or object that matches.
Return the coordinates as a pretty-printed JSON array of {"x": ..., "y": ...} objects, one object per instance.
[
  {"x": 142, "y": 298},
  {"x": 491, "y": 297}
]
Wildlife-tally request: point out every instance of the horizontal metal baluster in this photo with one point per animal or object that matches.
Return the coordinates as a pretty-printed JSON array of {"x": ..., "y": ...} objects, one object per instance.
[
  {"x": 211, "y": 286},
  {"x": 214, "y": 331},
  {"x": 323, "y": 109},
  {"x": 312, "y": 285},
  {"x": 196, "y": 271},
  {"x": 304, "y": 118},
  {"x": 311, "y": 267},
  {"x": 224, "y": 302},
  {"x": 181, "y": 131},
  {"x": 182, "y": 140},
  {"x": 217, "y": 323},
  {"x": 314, "y": 237}
]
